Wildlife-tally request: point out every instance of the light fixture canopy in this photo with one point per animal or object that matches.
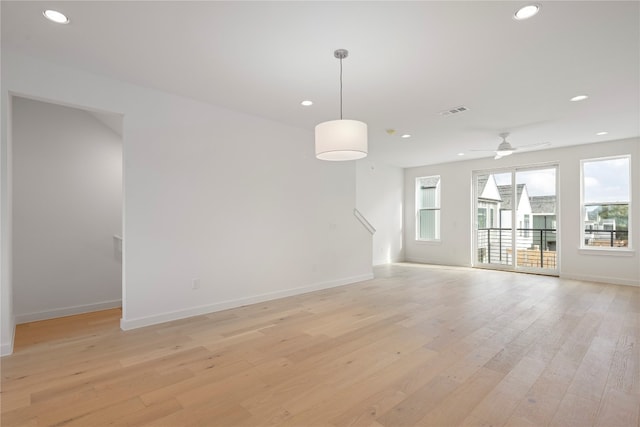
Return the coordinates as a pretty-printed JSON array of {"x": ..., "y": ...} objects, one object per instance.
[{"x": 339, "y": 140}]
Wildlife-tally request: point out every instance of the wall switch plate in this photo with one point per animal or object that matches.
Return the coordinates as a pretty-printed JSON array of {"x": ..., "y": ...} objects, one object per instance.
[{"x": 195, "y": 284}]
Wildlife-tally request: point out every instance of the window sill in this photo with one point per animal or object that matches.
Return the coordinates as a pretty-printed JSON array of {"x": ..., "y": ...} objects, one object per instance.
[
  {"x": 607, "y": 252},
  {"x": 428, "y": 242}
]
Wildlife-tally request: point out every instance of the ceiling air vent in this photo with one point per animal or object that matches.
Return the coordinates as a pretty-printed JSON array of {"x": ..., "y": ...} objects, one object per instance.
[{"x": 454, "y": 110}]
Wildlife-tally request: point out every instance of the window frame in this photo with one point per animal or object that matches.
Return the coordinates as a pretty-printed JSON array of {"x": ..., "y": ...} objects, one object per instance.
[
  {"x": 437, "y": 208},
  {"x": 583, "y": 208}
]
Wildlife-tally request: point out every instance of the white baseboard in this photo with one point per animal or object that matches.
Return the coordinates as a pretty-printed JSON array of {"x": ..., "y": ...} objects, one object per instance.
[
  {"x": 6, "y": 348},
  {"x": 601, "y": 279},
  {"x": 67, "y": 311},
  {"x": 126, "y": 324},
  {"x": 590, "y": 278},
  {"x": 428, "y": 262},
  {"x": 417, "y": 260},
  {"x": 387, "y": 261}
]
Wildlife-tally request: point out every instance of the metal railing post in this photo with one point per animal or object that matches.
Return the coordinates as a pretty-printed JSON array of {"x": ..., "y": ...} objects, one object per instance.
[{"x": 541, "y": 252}]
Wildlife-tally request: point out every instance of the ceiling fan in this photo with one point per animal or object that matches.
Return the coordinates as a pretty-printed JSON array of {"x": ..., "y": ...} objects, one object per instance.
[{"x": 505, "y": 148}]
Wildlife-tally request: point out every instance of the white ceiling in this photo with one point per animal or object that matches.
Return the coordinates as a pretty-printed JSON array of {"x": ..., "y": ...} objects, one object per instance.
[{"x": 408, "y": 61}]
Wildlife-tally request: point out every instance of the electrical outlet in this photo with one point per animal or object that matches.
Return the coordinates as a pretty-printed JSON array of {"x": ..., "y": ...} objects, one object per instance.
[{"x": 195, "y": 284}]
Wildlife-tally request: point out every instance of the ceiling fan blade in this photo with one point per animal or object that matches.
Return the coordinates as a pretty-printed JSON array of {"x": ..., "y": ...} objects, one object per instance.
[{"x": 532, "y": 146}]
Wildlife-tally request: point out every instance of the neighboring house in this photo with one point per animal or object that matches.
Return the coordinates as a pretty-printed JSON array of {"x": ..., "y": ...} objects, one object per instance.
[
  {"x": 488, "y": 202},
  {"x": 494, "y": 212},
  {"x": 594, "y": 222},
  {"x": 524, "y": 236},
  {"x": 543, "y": 210}
]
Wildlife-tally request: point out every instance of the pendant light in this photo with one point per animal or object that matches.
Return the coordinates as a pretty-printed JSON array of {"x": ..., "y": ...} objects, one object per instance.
[{"x": 338, "y": 140}]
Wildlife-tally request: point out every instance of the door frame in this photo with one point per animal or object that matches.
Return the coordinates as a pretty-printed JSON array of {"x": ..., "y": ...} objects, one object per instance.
[{"x": 513, "y": 170}]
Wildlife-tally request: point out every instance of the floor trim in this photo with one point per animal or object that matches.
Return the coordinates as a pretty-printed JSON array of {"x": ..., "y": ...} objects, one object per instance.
[{"x": 128, "y": 324}]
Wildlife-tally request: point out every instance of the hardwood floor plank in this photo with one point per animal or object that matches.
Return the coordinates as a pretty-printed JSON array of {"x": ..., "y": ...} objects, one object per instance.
[
  {"x": 416, "y": 405},
  {"x": 148, "y": 415},
  {"x": 455, "y": 407},
  {"x": 498, "y": 405},
  {"x": 417, "y": 345}
]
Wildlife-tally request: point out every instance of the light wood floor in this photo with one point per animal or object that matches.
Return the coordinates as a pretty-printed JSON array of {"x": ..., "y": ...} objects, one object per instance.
[{"x": 419, "y": 345}]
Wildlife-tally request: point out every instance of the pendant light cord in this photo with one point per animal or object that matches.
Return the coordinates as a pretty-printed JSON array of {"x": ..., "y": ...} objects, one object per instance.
[{"x": 340, "y": 88}]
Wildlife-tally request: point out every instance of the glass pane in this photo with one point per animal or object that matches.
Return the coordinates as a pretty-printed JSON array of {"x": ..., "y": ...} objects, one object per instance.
[
  {"x": 493, "y": 222},
  {"x": 606, "y": 180},
  {"x": 428, "y": 198},
  {"x": 482, "y": 217},
  {"x": 606, "y": 225},
  {"x": 536, "y": 218},
  {"x": 429, "y": 224},
  {"x": 427, "y": 192}
]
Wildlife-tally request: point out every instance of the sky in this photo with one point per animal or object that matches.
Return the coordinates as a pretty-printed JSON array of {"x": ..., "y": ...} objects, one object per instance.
[
  {"x": 605, "y": 180},
  {"x": 540, "y": 182}
]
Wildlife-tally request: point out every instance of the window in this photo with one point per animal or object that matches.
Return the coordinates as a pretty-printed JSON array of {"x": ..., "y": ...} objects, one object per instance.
[
  {"x": 428, "y": 208},
  {"x": 606, "y": 200},
  {"x": 482, "y": 218},
  {"x": 527, "y": 225}
]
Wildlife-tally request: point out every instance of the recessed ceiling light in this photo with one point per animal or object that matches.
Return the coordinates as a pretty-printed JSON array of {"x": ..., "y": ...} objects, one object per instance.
[
  {"x": 405, "y": 136},
  {"x": 526, "y": 12},
  {"x": 306, "y": 103},
  {"x": 55, "y": 16},
  {"x": 579, "y": 98},
  {"x": 460, "y": 154},
  {"x": 602, "y": 133}
]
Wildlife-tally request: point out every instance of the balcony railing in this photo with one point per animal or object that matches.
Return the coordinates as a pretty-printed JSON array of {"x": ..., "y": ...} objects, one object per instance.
[
  {"x": 535, "y": 248},
  {"x": 606, "y": 238}
]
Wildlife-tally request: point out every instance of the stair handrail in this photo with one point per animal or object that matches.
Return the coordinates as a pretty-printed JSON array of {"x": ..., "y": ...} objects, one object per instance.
[{"x": 366, "y": 224}]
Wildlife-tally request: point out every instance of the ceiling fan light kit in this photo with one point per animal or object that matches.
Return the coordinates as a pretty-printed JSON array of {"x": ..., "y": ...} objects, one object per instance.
[
  {"x": 339, "y": 140},
  {"x": 504, "y": 149}
]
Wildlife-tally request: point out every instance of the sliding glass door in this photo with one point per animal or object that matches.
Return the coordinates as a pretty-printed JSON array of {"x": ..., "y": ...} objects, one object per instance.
[{"x": 515, "y": 219}]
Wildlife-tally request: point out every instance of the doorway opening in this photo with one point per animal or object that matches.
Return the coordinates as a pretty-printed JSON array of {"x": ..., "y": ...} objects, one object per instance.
[
  {"x": 67, "y": 210},
  {"x": 516, "y": 219}
]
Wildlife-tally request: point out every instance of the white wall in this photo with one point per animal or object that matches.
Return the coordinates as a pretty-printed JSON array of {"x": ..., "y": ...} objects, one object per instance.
[
  {"x": 379, "y": 198},
  {"x": 236, "y": 201},
  {"x": 455, "y": 247},
  {"x": 67, "y": 206}
]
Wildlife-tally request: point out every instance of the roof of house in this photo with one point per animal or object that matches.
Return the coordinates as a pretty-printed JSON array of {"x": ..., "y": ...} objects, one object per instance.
[
  {"x": 482, "y": 184},
  {"x": 543, "y": 204},
  {"x": 505, "y": 194}
]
